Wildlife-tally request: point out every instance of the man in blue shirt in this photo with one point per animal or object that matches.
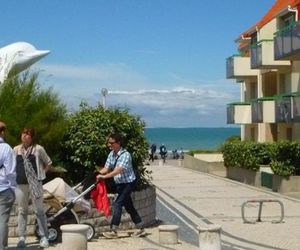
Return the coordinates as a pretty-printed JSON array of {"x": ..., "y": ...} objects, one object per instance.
[
  {"x": 119, "y": 166},
  {"x": 7, "y": 184}
]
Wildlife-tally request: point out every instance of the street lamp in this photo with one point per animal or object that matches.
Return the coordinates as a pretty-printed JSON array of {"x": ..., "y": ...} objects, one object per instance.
[{"x": 104, "y": 93}]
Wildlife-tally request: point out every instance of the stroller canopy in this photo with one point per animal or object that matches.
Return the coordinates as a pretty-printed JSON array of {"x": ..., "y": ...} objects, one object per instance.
[{"x": 64, "y": 194}]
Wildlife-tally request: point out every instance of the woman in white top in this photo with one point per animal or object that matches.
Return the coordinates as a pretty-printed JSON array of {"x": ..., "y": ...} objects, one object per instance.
[{"x": 32, "y": 165}]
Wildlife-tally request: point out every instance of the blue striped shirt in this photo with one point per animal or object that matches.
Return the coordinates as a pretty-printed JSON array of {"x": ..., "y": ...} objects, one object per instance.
[
  {"x": 8, "y": 171},
  {"x": 121, "y": 159}
]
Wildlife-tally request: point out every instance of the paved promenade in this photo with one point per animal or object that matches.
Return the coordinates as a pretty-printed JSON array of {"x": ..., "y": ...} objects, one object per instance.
[
  {"x": 199, "y": 199},
  {"x": 189, "y": 199}
]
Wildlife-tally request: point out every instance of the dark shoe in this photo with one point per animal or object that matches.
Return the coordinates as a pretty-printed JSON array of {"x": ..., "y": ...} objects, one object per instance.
[
  {"x": 21, "y": 244},
  {"x": 110, "y": 235},
  {"x": 139, "y": 233}
]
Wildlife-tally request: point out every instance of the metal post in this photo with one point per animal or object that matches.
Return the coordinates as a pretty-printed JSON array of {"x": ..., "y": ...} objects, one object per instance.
[{"x": 104, "y": 93}]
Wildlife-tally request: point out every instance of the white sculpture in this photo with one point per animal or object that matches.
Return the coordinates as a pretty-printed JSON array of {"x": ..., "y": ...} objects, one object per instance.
[{"x": 17, "y": 57}]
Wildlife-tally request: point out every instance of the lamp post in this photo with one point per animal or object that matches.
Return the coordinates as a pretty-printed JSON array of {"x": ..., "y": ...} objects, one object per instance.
[{"x": 104, "y": 93}]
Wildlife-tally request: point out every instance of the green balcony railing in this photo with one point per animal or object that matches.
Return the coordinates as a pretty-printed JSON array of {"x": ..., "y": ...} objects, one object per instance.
[
  {"x": 287, "y": 42},
  {"x": 256, "y": 52}
]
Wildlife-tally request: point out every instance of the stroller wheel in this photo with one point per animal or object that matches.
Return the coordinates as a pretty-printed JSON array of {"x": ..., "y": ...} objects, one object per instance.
[
  {"x": 53, "y": 234},
  {"x": 91, "y": 231}
]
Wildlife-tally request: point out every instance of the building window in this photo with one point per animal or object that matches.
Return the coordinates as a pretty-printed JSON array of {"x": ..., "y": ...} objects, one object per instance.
[{"x": 286, "y": 20}]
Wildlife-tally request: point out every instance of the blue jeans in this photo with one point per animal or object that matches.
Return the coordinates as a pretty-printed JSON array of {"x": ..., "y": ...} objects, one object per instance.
[
  {"x": 7, "y": 198},
  {"x": 124, "y": 199}
]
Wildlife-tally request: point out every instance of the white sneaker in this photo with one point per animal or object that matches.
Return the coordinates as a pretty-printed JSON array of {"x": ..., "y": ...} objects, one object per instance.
[
  {"x": 139, "y": 233},
  {"x": 44, "y": 243},
  {"x": 110, "y": 235},
  {"x": 21, "y": 244}
]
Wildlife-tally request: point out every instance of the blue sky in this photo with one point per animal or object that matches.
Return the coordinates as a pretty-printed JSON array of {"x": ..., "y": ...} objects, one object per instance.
[{"x": 163, "y": 59}]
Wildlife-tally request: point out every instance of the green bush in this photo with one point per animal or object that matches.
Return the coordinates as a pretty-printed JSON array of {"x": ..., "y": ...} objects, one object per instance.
[
  {"x": 85, "y": 143},
  {"x": 244, "y": 154},
  {"x": 232, "y": 139},
  {"x": 284, "y": 169},
  {"x": 25, "y": 104},
  {"x": 202, "y": 151},
  {"x": 283, "y": 156}
]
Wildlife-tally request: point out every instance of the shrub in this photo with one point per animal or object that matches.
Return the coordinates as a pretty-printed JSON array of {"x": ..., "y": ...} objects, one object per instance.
[
  {"x": 284, "y": 169},
  {"x": 85, "y": 145},
  {"x": 283, "y": 156},
  {"x": 25, "y": 104},
  {"x": 245, "y": 154}
]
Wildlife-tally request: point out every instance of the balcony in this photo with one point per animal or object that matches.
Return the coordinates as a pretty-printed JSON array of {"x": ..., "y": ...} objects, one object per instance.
[
  {"x": 284, "y": 109},
  {"x": 238, "y": 66},
  {"x": 256, "y": 111},
  {"x": 271, "y": 109},
  {"x": 262, "y": 56},
  {"x": 239, "y": 113},
  {"x": 295, "y": 109},
  {"x": 287, "y": 42}
]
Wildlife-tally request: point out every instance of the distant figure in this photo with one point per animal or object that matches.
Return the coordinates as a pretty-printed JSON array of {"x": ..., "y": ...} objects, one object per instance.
[
  {"x": 175, "y": 154},
  {"x": 181, "y": 153},
  {"x": 16, "y": 57},
  {"x": 152, "y": 152},
  {"x": 163, "y": 152}
]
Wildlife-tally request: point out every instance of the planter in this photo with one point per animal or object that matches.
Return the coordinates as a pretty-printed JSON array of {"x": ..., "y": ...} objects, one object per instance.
[
  {"x": 267, "y": 179},
  {"x": 216, "y": 168},
  {"x": 144, "y": 201},
  {"x": 286, "y": 185},
  {"x": 244, "y": 175}
]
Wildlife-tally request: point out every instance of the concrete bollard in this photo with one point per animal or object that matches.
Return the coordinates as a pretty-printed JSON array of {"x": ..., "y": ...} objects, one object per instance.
[
  {"x": 74, "y": 236},
  {"x": 168, "y": 234},
  {"x": 210, "y": 237}
]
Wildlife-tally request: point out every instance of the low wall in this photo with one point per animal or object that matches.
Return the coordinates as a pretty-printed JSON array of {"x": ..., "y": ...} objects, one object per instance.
[
  {"x": 285, "y": 185},
  {"x": 197, "y": 164},
  {"x": 244, "y": 175},
  {"x": 210, "y": 157},
  {"x": 144, "y": 201}
]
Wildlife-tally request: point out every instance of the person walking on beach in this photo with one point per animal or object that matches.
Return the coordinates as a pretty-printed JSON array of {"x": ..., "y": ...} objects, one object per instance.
[
  {"x": 7, "y": 184},
  {"x": 152, "y": 152},
  {"x": 163, "y": 152},
  {"x": 119, "y": 166},
  {"x": 32, "y": 165}
]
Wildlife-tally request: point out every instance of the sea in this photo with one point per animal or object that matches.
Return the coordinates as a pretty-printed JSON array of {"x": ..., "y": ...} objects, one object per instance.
[{"x": 190, "y": 138}]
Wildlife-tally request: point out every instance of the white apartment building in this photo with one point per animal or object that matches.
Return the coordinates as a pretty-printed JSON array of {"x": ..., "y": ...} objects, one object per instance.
[{"x": 267, "y": 68}]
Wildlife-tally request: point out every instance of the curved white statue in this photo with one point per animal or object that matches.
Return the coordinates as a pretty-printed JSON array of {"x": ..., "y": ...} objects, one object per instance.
[{"x": 17, "y": 57}]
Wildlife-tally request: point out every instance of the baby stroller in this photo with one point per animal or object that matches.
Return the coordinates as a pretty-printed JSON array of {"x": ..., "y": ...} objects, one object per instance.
[{"x": 63, "y": 205}]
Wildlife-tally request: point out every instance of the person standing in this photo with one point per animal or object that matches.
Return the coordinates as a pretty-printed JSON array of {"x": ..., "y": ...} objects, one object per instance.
[
  {"x": 163, "y": 152},
  {"x": 7, "y": 184},
  {"x": 31, "y": 165},
  {"x": 119, "y": 166},
  {"x": 152, "y": 152}
]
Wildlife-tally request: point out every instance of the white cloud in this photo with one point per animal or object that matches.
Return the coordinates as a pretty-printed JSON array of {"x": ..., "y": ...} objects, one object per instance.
[{"x": 183, "y": 103}]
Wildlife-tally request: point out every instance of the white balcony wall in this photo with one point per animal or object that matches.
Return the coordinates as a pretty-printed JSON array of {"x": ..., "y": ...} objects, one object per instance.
[
  {"x": 241, "y": 67},
  {"x": 268, "y": 60},
  {"x": 269, "y": 111},
  {"x": 242, "y": 114}
]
